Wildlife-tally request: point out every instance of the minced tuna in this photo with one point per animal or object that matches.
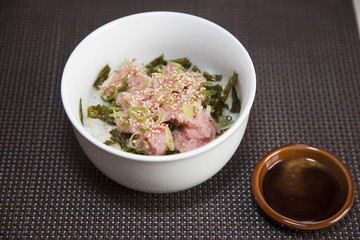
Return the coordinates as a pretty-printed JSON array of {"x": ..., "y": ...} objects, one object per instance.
[{"x": 162, "y": 112}]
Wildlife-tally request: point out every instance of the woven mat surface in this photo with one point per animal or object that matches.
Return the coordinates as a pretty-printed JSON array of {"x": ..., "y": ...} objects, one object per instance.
[{"x": 307, "y": 59}]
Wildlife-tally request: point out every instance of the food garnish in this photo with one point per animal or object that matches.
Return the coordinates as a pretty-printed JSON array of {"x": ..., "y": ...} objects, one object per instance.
[{"x": 165, "y": 107}]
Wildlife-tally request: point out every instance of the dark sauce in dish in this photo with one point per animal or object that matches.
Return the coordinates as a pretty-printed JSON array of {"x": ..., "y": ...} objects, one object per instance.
[{"x": 302, "y": 189}]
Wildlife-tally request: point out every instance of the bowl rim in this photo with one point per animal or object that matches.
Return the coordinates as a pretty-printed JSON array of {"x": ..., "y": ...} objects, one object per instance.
[
  {"x": 304, "y": 225},
  {"x": 245, "y": 111}
]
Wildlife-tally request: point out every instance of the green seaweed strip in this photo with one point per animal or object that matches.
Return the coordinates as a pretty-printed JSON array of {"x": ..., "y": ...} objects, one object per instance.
[
  {"x": 185, "y": 62},
  {"x": 195, "y": 69},
  {"x": 109, "y": 142},
  {"x": 175, "y": 125},
  {"x": 151, "y": 67},
  {"x": 236, "y": 104},
  {"x": 103, "y": 75},
  {"x": 212, "y": 77},
  {"x": 81, "y": 116},
  {"x": 216, "y": 97},
  {"x": 132, "y": 150},
  {"x": 220, "y": 132},
  {"x": 216, "y": 101},
  {"x": 231, "y": 83},
  {"x": 118, "y": 137},
  {"x": 154, "y": 64},
  {"x": 168, "y": 152},
  {"x": 100, "y": 112}
]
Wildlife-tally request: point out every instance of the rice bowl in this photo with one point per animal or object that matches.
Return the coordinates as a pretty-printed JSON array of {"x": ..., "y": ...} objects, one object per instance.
[{"x": 206, "y": 44}]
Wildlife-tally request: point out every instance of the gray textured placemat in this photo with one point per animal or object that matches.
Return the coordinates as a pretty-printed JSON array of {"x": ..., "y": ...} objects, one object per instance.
[{"x": 307, "y": 59}]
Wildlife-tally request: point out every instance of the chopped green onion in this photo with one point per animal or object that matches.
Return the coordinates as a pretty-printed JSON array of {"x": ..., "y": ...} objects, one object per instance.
[
  {"x": 159, "y": 96},
  {"x": 196, "y": 105},
  {"x": 144, "y": 129},
  {"x": 125, "y": 76},
  {"x": 115, "y": 108},
  {"x": 187, "y": 110},
  {"x": 158, "y": 68},
  {"x": 112, "y": 96},
  {"x": 156, "y": 117},
  {"x": 169, "y": 139},
  {"x": 146, "y": 83},
  {"x": 133, "y": 142},
  {"x": 176, "y": 64},
  {"x": 197, "y": 76},
  {"x": 127, "y": 64},
  {"x": 172, "y": 102},
  {"x": 134, "y": 111},
  {"x": 144, "y": 144},
  {"x": 175, "y": 83},
  {"x": 118, "y": 114},
  {"x": 126, "y": 122},
  {"x": 226, "y": 123},
  {"x": 139, "y": 144},
  {"x": 123, "y": 87},
  {"x": 113, "y": 103},
  {"x": 206, "y": 83},
  {"x": 209, "y": 93}
]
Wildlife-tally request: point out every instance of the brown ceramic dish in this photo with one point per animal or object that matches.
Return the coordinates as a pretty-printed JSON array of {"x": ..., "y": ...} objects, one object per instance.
[{"x": 344, "y": 183}]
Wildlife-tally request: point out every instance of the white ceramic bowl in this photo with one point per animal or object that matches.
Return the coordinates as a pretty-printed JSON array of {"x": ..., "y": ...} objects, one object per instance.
[{"x": 145, "y": 36}]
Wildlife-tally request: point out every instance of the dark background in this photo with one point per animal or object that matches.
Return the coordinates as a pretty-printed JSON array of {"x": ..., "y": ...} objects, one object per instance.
[{"x": 307, "y": 59}]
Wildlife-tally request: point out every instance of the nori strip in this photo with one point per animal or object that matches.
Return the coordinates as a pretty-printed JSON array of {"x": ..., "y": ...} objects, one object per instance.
[
  {"x": 195, "y": 69},
  {"x": 236, "y": 105},
  {"x": 185, "y": 62},
  {"x": 118, "y": 137},
  {"x": 109, "y": 142},
  {"x": 100, "y": 112},
  {"x": 216, "y": 101},
  {"x": 212, "y": 77},
  {"x": 132, "y": 150},
  {"x": 231, "y": 83},
  {"x": 175, "y": 125},
  {"x": 216, "y": 98},
  {"x": 103, "y": 75},
  {"x": 81, "y": 116},
  {"x": 168, "y": 152},
  {"x": 151, "y": 67},
  {"x": 220, "y": 132}
]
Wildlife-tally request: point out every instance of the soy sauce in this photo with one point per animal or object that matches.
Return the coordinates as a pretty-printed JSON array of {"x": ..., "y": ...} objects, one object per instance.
[{"x": 302, "y": 189}]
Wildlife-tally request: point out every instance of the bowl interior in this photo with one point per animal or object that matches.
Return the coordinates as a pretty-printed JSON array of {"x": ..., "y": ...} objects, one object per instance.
[
  {"x": 304, "y": 151},
  {"x": 144, "y": 37}
]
